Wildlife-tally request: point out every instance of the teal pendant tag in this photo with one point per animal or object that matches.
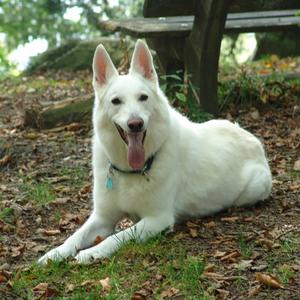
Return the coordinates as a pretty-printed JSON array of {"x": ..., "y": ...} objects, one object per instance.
[{"x": 109, "y": 183}]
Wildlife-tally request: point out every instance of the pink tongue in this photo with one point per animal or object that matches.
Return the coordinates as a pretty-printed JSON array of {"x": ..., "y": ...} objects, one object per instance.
[{"x": 136, "y": 153}]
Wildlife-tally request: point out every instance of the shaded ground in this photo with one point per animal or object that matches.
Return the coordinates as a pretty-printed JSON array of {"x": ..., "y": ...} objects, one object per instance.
[{"x": 45, "y": 191}]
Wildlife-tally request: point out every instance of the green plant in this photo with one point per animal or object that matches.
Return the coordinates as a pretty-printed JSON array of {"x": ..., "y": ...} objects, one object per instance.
[{"x": 180, "y": 92}]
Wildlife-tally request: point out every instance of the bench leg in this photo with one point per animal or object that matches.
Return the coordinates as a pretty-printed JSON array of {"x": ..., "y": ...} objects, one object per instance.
[{"x": 202, "y": 51}]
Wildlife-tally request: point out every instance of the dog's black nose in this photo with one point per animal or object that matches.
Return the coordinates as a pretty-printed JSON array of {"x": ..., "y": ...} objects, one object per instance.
[{"x": 135, "y": 125}]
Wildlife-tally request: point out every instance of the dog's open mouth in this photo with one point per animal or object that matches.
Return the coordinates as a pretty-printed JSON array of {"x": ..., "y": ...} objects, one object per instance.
[{"x": 135, "y": 143}]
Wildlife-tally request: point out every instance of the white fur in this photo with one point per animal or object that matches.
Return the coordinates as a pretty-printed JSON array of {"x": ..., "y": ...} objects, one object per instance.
[{"x": 198, "y": 170}]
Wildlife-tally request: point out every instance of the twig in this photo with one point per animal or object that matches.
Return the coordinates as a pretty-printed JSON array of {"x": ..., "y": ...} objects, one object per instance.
[{"x": 286, "y": 232}]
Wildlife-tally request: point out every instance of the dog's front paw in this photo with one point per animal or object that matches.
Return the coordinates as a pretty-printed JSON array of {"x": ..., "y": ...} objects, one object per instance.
[
  {"x": 89, "y": 255},
  {"x": 56, "y": 254}
]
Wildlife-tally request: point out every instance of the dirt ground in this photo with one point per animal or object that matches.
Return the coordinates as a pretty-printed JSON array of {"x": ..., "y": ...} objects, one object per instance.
[{"x": 45, "y": 194}]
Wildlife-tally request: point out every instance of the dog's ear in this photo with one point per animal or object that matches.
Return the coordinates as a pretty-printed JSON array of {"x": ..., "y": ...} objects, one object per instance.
[
  {"x": 142, "y": 62},
  {"x": 103, "y": 67}
]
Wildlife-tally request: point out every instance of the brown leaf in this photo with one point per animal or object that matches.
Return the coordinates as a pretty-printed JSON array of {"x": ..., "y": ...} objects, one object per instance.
[
  {"x": 105, "y": 284},
  {"x": 73, "y": 127},
  {"x": 50, "y": 232},
  {"x": 44, "y": 290},
  {"x": 3, "y": 278},
  {"x": 254, "y": 291},
  {"x": 17, "y": 251},
  {"x": 222, "y": 293},
  {"x": 88, "y": 282},
  {"x": 210, "y": 224},
  {"x": 190, "y": 224},
  {"x": 255, "y": 114},
  {"x": 230, "y": 219},
  {"x": 213, "y": 275},
  {"x": 170, "y": 292},
  {"x": 297, "y": 165},
  {"x": 5, "y": 160},
  {"x": 66, "y": 219},
  {"x": 70, "y": 287},
  {"x": 244, "y": 264},
  {"x": 193, "y": 232},
  {"x": 138, "y": 296},
  {"x": 268, "y": 280},
  {"x": 219, "y": 254},
  {"x": 98, "y": 240},
  {"x": 231, "y": 256}
]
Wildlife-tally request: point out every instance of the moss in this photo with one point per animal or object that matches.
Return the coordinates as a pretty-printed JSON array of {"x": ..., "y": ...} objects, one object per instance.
[{"x": 77, "y": 55}]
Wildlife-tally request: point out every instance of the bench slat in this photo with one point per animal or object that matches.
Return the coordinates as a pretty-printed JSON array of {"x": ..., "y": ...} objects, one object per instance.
[{"x": 181, "y": 26}]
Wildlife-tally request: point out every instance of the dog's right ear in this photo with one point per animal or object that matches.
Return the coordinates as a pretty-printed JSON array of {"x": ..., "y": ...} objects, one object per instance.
[{"x": 103, "y": 67}]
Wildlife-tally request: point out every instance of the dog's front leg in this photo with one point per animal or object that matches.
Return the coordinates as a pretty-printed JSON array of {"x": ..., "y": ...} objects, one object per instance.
[
  {"x": 145, "y": 228},
  {"x": 96, "y": 225}
]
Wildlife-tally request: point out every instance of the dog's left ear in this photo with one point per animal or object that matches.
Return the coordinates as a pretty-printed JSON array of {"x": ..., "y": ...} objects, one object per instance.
[{"x": 142, "y": 62}]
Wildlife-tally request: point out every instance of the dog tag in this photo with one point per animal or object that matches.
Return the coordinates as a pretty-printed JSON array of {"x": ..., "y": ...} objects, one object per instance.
[{"x": 109, "y": 183}]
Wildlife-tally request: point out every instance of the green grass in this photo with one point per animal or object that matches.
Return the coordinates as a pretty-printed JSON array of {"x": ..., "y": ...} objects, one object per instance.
[
  {"x": 133, "y": 265},
  {"x": 246, "y": 248},
  {"x": 285, "y": 273},
  {"x": 294, "y": 174},
  {"x": 290, "y": 246},
  {"x": 6, "y": 214},
  {"x": 37, "y": 192},
  {"x": 77, "y": 176}
]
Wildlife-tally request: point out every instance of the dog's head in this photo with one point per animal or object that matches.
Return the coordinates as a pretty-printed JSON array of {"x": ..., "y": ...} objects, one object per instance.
[{"x": 132, "y": 104}]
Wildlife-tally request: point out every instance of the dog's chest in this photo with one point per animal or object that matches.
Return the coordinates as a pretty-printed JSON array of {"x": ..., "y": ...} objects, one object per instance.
[{"x": 134, "y": 194}]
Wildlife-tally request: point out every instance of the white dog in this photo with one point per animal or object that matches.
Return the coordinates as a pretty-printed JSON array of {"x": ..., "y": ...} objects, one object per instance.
[{"x": 151, "y": 162}]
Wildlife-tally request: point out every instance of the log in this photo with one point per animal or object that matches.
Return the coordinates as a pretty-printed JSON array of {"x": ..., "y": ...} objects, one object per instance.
[
  {"x": 78, "y": 109},
  {"x": 68, "y": 111}
]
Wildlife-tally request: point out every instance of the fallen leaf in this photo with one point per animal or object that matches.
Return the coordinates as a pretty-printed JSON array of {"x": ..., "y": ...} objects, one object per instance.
[
  {"x": 98, "y": 240},
  {"x": 17, "y": 251},
  {"x": 297, "y": 165},
  {"x": 231, "y": 256},
  {"x": 88, "y": 282},
  {"x": 193, "y": 232},
  {"x": 243, "y": 264},
  {"x": 50, "y": 232},
  {"x": 210, "y": 224},
  {"x": 44, "y": 290},
  {"x": 70, "y": 287},
  {"x": 268, "y": 280},
  {"x": 3, "y": 278},
  {"x": 219, "y": 254},
  {"x": 259, "y": 267},
  {"x": 5, "y": 160},
  {"x": 138, "y": 296},
  {"x": 265, "y": 242},
  {"x": 213, "y": 275},
  {"x": 255, "y": 114},
  {"x": 106, "y": 284},
  {"x": 230, "y": 219},
  {"x": 168, "y": 293},
  {"x": 30, "y": 136},
  {"x": 254, "y": 291},
  {"x": 190, "y": 224},
  {"x": 209, "y": 267},
  {"x": 222, "y": 293},
  {"x": 61, "y": 200},
  {"x": 73, "y": 127}
]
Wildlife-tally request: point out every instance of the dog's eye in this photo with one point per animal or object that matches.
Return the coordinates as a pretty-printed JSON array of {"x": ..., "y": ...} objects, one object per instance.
[
  {"x": 116, "y": 101},
  {"x": 143, "y": 97}
]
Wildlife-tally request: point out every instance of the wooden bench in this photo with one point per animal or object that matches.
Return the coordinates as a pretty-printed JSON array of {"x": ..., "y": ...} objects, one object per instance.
[{"x": 187, "y": 34}]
